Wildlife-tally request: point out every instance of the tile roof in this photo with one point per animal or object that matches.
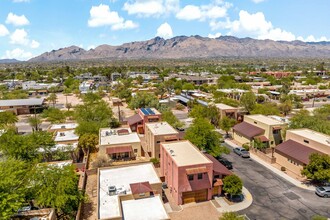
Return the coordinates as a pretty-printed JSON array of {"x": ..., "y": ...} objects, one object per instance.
[
  {"x": 217, "y": 166},
  {"x": 295, "y": 150},
  {"x": 134, "y": 119},
  {"x": 248, "y": 130},
  {"x": 142, "y": 187}
]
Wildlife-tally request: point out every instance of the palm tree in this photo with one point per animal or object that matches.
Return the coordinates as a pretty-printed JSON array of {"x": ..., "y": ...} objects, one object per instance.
[
  {"x": 7, "y": 118},
  {"x": 35, "y": 122}
]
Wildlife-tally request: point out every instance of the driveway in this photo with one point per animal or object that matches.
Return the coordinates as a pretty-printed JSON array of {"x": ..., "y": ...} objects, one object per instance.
[{"x": 273, "y": 196}]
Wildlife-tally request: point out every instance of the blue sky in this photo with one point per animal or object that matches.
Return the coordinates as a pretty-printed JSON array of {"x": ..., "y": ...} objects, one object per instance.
[{"x": 31, "y": 27}]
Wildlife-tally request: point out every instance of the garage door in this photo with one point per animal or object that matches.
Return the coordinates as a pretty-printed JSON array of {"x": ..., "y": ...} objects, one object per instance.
[{"x": 194, "y": 196}]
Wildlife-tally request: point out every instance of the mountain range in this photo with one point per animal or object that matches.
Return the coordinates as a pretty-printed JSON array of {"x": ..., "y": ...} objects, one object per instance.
[{"x": 182, "y": 47}]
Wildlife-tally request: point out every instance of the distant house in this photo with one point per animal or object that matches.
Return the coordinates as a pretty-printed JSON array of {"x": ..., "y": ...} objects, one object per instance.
[
  {"x": 119, "y": 144},
  {"x": 227, "y": 110},
  {"x": 130, "y": 192},
  {"x": 144, "y": 115},
  {"x": 156, "y": 133},
  {"x": 293, "y": 154},
  {"x": 190, "y": 175},
  {"x": 264, "y": 129},
  {"x": 33, "y": 85},
  {"x": 23, "y": 106}
]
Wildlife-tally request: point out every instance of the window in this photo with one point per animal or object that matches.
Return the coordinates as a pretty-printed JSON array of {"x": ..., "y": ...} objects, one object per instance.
[
  {"x": 190, "y": 177},
  {"x": 216, "y": 176},
  {"x": 135, "y": 150},
  {"x": 200, "y": 176},
  {"x": 276, "y": 131},
  {"x": 158, "y": 142},
  {"x": 255, "y": 122},
  {"x": 272, "y": 142},
  {"x": 11, "y": 106},
  {"x": 306, "y": 141}
]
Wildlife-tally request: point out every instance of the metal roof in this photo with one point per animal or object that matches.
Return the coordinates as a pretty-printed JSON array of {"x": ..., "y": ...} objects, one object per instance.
[{"x": 20, "y": 102}]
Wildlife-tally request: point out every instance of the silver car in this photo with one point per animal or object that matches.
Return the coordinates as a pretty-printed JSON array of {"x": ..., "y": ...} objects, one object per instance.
[
  {"x": 242, "y": 152},
  {"x": 323, "y": 191}
]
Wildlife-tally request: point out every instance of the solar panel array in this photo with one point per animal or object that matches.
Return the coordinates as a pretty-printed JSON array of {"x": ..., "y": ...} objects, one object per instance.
[{"x": 147, "y": 111}]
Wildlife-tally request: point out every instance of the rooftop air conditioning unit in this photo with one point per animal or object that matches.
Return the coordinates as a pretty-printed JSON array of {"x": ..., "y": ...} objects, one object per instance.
[
  {"x": 63, "y": 127},
  {"x": 62, "y": 134}
]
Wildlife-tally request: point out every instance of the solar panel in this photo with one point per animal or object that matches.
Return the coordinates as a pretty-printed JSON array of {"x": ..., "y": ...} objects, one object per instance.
[
  {"x": 144, "y": 111},
  {"x": 150, "y": 111}
]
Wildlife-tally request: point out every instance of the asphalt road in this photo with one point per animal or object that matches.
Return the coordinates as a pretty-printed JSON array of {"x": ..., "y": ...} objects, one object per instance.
[{"x": 273, "y": 196}]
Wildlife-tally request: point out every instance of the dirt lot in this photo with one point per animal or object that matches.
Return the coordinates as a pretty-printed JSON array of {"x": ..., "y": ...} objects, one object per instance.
[{"x": 196, "y": 211}]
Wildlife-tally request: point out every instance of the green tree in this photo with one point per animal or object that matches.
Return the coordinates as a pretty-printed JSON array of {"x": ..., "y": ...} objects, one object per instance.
[
  {"x": 248, "y": 101},
  {"x": 286, "y": 107},
  {"x": 54, "y": 115},
  {"x": 139, "y": 79},
  {"x": 268, "y": 108},
  {"x": 318, "y": 168},
  {"x": 88, "y": 142},
  {"x": 52, "y": 98},
  {"x": 144, "y": 100},
  {"x": 319, "y": 217},
  {"x": 57, "y": 187},
  {"x": 227, "y": 123},
  {"x": 92, "y": 115},
  {"x": 35, "y": 122},
  {"x": 170, "y": 118},
  {"x": 188, "y": 86},
  {"x": 233, "y": 185},
  {"x": 13, "y": 178},
  {"x": 231, "y": 216},
  {"x": 202, "y": 134},
  {"x": 7, "y": 118}
]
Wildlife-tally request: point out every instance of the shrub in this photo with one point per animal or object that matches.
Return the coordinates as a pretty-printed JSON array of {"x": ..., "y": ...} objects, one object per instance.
[
  {"x": 179, "y": 106},
  {"x": 246, "y": 146}
]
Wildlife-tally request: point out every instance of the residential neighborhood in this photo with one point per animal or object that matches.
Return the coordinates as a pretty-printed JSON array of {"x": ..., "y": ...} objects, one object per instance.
[{"x": 188, "y": 154}]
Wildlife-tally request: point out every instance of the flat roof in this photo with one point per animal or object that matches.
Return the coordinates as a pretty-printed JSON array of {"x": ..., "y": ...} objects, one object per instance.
[
  {"x": 111, "y": 136},
  {"x": 224, "y": 106},
  {"x": 265, "y": 119},
  {"x": 312, "y": 135},
  {"x": 121, "y": 177},
  {"x": 161, "y": 128},
  {"x": 19, "y": 102},
  {"x": 63, "y": 126},
  {"x": 66, "y": 136},
  {"x": 185, "y": 153},
  {"x": 141, "y": 209}
]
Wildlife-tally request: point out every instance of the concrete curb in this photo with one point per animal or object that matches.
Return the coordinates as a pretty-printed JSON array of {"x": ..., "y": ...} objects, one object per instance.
[
  {"x": 225, "y": 207},
  {"x": 274, "y": 170}
]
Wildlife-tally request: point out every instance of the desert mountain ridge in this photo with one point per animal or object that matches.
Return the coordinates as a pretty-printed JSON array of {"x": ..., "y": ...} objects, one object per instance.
[{"x": 181, "y": 47}]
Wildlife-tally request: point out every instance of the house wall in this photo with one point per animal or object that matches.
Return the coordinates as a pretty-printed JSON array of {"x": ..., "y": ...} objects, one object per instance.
[
  {"x": 177, "y": 179},
  {"x": 268, "y": 130},
  {"x": 312, "y": 144},
  {"x": 289, "y": 163},
  {"x": 66, "y": 142},
  {"x": 241, "y": 139},
  {"x": 135, "y": 146}
]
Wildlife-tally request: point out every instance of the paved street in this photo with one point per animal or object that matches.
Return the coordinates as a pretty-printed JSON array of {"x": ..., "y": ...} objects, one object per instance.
[{"x": 273, "y": 196}]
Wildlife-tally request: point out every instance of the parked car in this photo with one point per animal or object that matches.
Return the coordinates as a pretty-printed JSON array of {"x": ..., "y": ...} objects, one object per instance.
[
  {"x": 323, "y": 191},
  {"x": 225, "y": 162},
  {"x": 242, "y": 152},
  {"x": 235, "y": 198},
  {"x": 27, "y": 208}
]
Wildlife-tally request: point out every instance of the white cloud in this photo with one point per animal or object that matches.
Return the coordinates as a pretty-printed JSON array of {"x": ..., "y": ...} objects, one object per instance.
[
  {"x": 253, "y": 25},
  {"x": 216, "y": 35},
  {"x": 90, "y": 47},
  {"x": 3, "y": 30},
  {"x": 147, "y": 8},
  {"x": 34, "y": 44},
  {"x": 311, "y": 38},
  {"x": 17, "y": 20},
  {"x": 17, "y": 54},
  {"x": 20, "y": 37},
  {"x": 164, "y": 31},
  {"x": 215, "y": 10},
  {"x": 102, "y": 16},
  {"x": 18, "y": 1},
  {"x": 258, "y": 1}
]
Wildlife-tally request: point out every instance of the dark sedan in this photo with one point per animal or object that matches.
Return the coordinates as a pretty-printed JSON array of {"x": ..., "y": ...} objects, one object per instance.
[{"x": 225, "y": 162}]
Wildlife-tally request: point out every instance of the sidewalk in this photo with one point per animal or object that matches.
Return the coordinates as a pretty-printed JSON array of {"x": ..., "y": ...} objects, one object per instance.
[
  {"x": 225, "y": 207},
  {"x": 274, "y": 170}
]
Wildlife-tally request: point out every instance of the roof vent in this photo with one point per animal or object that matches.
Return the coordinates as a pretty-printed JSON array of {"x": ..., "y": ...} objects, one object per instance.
[{"x": 328, "y": 141}]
